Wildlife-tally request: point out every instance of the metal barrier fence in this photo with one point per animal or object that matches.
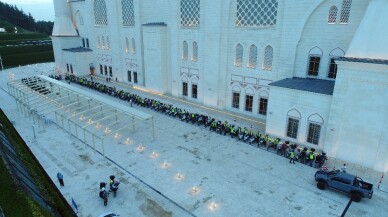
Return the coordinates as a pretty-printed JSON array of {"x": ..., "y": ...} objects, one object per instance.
[{"x": 22, "y": 177}]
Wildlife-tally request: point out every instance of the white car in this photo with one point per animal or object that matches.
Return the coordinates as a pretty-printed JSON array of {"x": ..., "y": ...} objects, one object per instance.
[{"x": 108, "y": 214}]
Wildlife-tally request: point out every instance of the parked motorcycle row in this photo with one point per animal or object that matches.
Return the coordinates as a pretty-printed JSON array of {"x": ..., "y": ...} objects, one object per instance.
[{"x": 222, "y": 127}]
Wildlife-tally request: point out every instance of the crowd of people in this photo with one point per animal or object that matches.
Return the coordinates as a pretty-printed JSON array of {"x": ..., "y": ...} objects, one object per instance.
[{"x": 246, "y": 134}]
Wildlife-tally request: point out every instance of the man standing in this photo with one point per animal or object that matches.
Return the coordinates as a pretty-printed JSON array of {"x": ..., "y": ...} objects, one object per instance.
[
  {"x": 60, "y": 179},
  {"x": 343, "y": 168},
  {"x": 292, "y": 157}
]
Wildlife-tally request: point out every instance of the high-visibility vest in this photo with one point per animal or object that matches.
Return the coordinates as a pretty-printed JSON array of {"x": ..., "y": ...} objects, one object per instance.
[
  {"x": 292, "y": 154},
  {"x": 311, "y": 156}
]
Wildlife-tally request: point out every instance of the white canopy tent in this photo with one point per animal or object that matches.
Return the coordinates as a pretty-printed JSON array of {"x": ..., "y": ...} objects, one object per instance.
[{"x": 87, "y": 116}]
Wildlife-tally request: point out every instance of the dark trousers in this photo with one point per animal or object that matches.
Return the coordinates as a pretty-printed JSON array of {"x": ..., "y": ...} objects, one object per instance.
[
  {"x": 61, "y": 182},
  {"x": 292, "y": 159}
]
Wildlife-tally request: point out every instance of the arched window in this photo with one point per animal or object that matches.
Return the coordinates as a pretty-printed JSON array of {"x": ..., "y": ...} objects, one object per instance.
[
  {"x": 195, "y": 51},
  {"x": 332, "y": 18},
  {"x": 103, "y": 42},
  {"x": 128, "y": 12},
  {"x": 126, "y": 45},
  {"x": 345, "y": 11},
  {"x": 236, "y": 97},
  {"x": 238, "y": 60},
  {"x": 268, "y": 58},
  {"x": 252, "y": 57},
  {"x": 133, "y": 47},
  {"x": 315, "y": 123},
  {"x": 293, "y": 119},
  {"x": 100, "y": 13},
  {"x": 185, "y": 51},
  {"x": 107, "y": 43},
  {"x": 98, "y": 42},
  {"x": 315, "y": 55},
  {"x": 334, "y": 55}
]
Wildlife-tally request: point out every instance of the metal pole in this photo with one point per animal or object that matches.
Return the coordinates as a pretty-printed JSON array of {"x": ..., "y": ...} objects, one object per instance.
[{"x": 347, "y": 207}]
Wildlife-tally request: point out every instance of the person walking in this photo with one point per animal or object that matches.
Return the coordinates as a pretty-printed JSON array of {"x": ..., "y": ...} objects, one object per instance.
[
  {"x": 343, "y": 168},
  {"x": 292, "y": 157},
  {"x": 60, "y": 179}
]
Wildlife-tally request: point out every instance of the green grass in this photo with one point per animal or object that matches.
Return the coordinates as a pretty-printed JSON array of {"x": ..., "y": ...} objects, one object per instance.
[
  {"x": 9, "y": 200},
  {"x": 12, "y": 198},
  {"x": 24, "y": 55}
]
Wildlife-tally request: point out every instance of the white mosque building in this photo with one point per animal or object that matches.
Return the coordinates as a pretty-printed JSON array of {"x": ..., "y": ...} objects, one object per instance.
[{"x": 315, "y": 70}]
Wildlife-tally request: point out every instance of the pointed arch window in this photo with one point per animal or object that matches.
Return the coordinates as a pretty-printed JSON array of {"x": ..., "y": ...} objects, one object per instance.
[
  {"x": 98, "y": 42},
  {"x": 133, "y": 47},
  {"x": 128, "y": 12},
  {"x": 195, "y": 51},
  {"x": 107, "y": 43},
  {"x": 293, "y": 119},
  {"x": 332, "y": 18},
  {"x": 345, "y": 11},
  {"x": 238, "y": 60},
  {"x": 252, "y": 57},
  {"x": 268, "y": 58},
  {"x": 103, "y": 42},
  {"x": 315, "y": 123},
  {"x": 185, "y": 51},
  {"x": 126, "y": 45},
  {"x": 100, "y": 13}
]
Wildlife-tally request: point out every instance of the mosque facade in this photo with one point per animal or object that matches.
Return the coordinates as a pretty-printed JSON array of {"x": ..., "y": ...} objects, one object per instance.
[{"x": 316, "y": 71}]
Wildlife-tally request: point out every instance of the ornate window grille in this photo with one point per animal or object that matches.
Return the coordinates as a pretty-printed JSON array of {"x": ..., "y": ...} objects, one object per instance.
[
  {"x": 332, "y": 18},
  {"x": 252, "y": 57},
  {"x": 256, "y": 13},
  {"x": 314, "y": 133},
  {"x": 268, "y": 58},
  {"x": 345, "y": 11},
  {"x": 195, "y": 51},
  {"x": 185, "y": 51},
  {"x": 100, "y": 13},
  {"x": 238, "y": 61},
  {"x": 190, "y": 12},
  {"x": 128, "y": 12},
  {"x": 292, "y": 127}
]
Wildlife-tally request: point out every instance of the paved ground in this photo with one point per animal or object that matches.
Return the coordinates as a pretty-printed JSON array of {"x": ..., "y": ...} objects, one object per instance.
[{"x": 240, "y": 179}]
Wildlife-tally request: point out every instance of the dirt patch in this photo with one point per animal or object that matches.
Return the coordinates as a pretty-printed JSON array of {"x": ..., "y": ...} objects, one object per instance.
[
  {"x": 86, "y": 158},
  {"x": 195, "y": 206},
  {"x": 152, "y": 209},
  {"x": 298, "y": 207}
]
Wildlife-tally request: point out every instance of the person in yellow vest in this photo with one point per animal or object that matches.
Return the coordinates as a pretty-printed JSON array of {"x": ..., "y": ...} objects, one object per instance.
[
  {"x": 311, "y": 158},
  {"x": 292, "y": 157}
]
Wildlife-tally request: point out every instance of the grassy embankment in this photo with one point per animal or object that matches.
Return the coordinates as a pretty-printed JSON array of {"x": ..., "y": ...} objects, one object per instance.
[
  {"x": 13, "y": 200},
  {"x": 15, "y": 51}
]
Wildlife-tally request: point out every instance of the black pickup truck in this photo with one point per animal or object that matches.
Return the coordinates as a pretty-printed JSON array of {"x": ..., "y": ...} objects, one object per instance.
[{"x": 354, "y": 186}]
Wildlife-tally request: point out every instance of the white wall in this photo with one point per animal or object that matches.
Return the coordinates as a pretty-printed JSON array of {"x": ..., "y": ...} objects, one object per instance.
[
  {"x": 282, "y": 100},
  {"x": 359, "y": 115}
]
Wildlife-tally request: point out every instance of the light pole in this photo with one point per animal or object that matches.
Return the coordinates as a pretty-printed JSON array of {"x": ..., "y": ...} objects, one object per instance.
[{"x": 1, "y": 62}]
